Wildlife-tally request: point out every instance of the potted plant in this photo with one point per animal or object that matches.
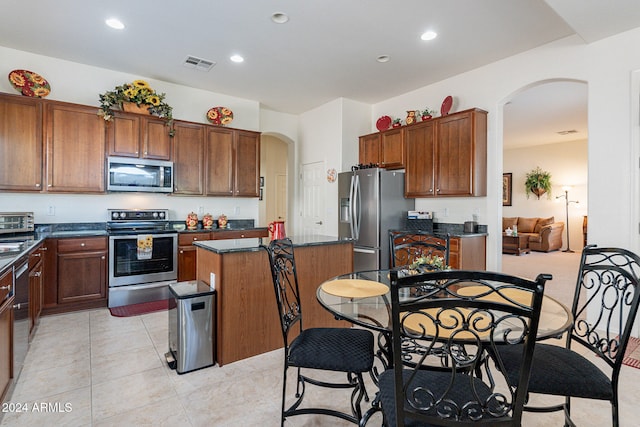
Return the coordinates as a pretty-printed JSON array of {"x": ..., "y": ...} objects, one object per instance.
[
  {"x": 538, "y": 182},
  {"x": 427, "y": 114},
  {"x": 139, "y": 97},
  {"x": 396, "y": 123}
]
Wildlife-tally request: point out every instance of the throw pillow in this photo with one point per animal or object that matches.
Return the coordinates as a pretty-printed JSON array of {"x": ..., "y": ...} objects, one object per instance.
[
  {"x": 542, "y": 222},
  {"x": 508, "y": 222},
  {"x": 526, "y": 225}
]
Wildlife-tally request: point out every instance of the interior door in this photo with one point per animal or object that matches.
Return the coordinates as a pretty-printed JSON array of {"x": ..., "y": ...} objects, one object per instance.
[{"x": 313, "y": 206}]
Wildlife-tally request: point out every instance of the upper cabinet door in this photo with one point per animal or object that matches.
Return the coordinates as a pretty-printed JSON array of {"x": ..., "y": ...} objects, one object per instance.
[
  {"x": 419, "y": 145},
  {"x": 123, "y": 135},
  {"x": 219, "y": 160},
  {"x": 20, "y": 143},
  {"x": 369, "y": 149},
  {"x": 247, "y": 164},
  {"x": 188, "y": 158},
  {"x": 132, "y": 135},
  {"x": 392, "y": 149},
  {"x": 155, "y": 139},
  {"x": 75, "y": 145}
]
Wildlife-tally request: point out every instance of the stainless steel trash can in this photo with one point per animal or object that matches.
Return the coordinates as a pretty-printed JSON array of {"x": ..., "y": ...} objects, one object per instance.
[{"x": 191, "y": 325}]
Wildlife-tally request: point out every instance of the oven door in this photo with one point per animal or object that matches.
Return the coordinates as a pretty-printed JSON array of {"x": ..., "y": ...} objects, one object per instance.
[{"x": 142, "y": 258}]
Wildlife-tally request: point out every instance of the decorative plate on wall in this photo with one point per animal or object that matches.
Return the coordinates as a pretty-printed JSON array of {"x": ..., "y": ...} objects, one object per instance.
[
  {"x": 446, "y": 105},
  {"x": 29, "y": 83},
  {"x": 220, "y": 115},
  {"x": 383, "y": 123}
]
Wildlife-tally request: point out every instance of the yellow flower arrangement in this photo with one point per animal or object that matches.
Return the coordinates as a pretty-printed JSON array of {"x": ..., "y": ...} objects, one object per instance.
[{"x": 140, "y": 93}]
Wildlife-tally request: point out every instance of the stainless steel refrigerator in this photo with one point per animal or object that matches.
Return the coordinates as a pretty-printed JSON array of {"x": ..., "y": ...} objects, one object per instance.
[{"x": 371, "y": 202}]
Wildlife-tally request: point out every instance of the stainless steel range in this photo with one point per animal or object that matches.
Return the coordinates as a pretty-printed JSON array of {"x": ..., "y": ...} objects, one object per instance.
[{"x": 143, "y": 255}]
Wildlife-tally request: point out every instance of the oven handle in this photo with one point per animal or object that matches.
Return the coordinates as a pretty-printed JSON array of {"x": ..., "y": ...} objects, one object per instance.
[{"x": 136, "y": 234}]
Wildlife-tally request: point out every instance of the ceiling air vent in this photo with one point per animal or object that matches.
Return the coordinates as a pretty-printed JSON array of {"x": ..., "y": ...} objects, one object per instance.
[{"x": 198, "y": 63}]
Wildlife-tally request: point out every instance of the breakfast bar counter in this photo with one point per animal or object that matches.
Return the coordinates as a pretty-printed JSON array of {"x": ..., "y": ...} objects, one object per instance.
[{"x": 246, "y": 313}]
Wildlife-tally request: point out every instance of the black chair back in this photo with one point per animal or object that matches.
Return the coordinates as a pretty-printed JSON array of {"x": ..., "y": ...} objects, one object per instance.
[
  {"x": 406, "y": 246},
  {"x": 467, "y": 315},
  {"x": 285, "y": 283},
  {"x": 605, "y": 303}
]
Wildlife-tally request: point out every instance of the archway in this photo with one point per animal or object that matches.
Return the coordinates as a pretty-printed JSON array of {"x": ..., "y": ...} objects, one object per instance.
[{"x": 276, "y": 179}]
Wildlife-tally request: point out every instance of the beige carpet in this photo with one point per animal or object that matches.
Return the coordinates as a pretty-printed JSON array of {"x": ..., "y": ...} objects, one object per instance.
[{"x": 562, "y": 266}]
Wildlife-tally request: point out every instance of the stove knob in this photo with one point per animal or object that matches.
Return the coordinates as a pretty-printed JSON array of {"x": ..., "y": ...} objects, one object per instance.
[
  {"x": 122, "y": 214},
  {"x": 161, "y": 214},
  {"x": 114, "y": 215},
  {"x": 155, "y": 214}
]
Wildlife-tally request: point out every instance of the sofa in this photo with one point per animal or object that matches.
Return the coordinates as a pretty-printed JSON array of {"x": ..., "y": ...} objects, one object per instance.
[{"x": 545, "y": 235}]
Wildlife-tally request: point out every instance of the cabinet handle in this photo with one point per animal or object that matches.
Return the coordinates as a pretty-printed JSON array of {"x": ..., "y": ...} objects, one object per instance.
[
  {"x": 37, "y": 274},
  {"x": 102, "y": 257},
  {"x": 44, "y": 248},
  {"x": 82, "y": 244},
  {"x": 181, "y": 252},
  {"x": 5, "y": 288},
  {"x": 38, "y": 185},
  {"x": 145, "y": 153},
  {"x": 242, "y": 235},
  {"x": 195, "y": 238},
  {"x": 36, "y": 254}
]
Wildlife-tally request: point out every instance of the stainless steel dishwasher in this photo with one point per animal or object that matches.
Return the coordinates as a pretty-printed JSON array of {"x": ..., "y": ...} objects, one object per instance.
[{"x": 21, "y": 314}]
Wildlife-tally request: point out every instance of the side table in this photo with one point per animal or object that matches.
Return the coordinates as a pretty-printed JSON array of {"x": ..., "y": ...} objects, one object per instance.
[{"x": 515, "y": 244}]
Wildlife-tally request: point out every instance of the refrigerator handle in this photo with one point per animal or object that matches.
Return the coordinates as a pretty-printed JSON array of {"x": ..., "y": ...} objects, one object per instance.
[
  {"x": 356, "y": 207},
  {"x": 351, "y": 207}
]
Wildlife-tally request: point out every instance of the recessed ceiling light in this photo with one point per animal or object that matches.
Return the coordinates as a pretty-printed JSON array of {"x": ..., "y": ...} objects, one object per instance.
[
  {"x": 429, "y": 35},
  {"x": 383, "y": 58},
  {"x": 115, "y": 23},
  {"x": 237, "y": 58},
  {"x": 279, "y": 17}
]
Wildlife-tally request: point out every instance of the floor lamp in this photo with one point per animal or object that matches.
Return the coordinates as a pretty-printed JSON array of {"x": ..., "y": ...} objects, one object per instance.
[{"x": 566, "y": 208}]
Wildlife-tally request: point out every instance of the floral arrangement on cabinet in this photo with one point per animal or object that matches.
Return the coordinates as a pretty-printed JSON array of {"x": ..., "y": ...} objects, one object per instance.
[{"x": 139, "y": 93}]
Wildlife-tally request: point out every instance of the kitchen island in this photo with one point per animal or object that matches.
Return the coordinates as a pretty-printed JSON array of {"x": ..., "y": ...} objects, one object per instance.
[{"x": 246, "y": 313}]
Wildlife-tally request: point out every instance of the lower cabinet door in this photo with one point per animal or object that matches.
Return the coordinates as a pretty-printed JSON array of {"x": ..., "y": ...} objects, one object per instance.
[
  {"x": 82, "y": 276},
  {"x": 6, "y": 354}
]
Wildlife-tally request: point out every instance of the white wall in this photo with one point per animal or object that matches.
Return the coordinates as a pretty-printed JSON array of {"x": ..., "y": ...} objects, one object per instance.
[
  {"x": 607, "y": 67},
  {"x": 567, "y": 164}
]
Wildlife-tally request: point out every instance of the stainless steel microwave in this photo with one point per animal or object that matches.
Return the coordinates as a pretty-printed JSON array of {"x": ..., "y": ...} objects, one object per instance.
[{"x": 129, "y": 174}]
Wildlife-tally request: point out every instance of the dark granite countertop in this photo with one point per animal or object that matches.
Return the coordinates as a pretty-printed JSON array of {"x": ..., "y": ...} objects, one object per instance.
[{"x": 252, "y": 245}]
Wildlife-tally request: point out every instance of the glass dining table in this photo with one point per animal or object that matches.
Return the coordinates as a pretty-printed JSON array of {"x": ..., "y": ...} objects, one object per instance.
[{"x": 363, "y": 298}]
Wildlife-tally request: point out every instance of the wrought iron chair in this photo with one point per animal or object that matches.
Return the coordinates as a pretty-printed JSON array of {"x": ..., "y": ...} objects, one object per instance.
[
  {"x": 604, "y": 307},
  {"x": 331, "y": 349},
  {"x": 406, "y": 246},
  {"x": 478, "y": 310}
]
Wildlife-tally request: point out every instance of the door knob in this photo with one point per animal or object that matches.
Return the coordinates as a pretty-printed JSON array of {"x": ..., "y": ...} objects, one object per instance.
[{"x": 319, "y": 222}]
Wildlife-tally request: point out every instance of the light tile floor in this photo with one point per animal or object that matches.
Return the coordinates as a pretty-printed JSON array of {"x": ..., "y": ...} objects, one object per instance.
[{"x": 111, "y": 372}]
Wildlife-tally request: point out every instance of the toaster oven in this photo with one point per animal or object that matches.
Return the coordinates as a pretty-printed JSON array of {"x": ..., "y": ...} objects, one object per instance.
[{"x": 16, "y": 222}]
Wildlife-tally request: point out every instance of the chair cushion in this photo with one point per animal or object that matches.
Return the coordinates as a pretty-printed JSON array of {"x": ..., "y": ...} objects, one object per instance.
[
  {"x": 559, "y": 371},
  {"x": 542, "y": 222},
  {"x": 435, "y": 381},
  {"x": 333, "y": 349},
  {"x": 526, "y": 225}
]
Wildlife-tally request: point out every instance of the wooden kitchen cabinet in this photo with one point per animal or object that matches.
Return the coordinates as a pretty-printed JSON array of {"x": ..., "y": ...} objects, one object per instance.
[
  {"x": 187, "y": 254},
  {"x": 135, "y": 135},
  {"x": 468, "y": 252},
  {"x": 20, "y": 143},
  {"x": 36, "y": 288},
  {"x": 75, "y": 149},
  {"x": 232, "y": 163},
  {"x": 385, "y": 149},
  {"x": 82, "y": 270},
  {"x": 6, "y": 336},
  {"x": 188, "y": 158},
  {"x": 369, "y": 149},
  {"x": 447, "y": 156},
  {"x": 239, "y": 234}
]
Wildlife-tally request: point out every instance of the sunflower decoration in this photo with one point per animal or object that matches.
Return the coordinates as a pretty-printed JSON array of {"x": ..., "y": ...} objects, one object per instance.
[
  {"x": 140, "y": 93},
  {"x": 220, "y": 115},
  {"x": 29, "y": 83}
]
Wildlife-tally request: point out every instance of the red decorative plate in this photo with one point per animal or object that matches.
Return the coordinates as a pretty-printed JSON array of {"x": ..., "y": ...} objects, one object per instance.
[
  {"x": 29, "y": 83},
  {"x": 383, "y": 123},
  {"x": 220, "y": 115},
  {"x": 446, "y": 105}
]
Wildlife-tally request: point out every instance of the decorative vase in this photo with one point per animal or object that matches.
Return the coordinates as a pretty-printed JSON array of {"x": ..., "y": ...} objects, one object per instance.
[
  {"x": 192, "y": 221},
  {"x": 411, "y": 117},
  {"x": 426, "y": 117},
  {"x": 207, "y": 222},
  {"x": 222, "y": 221},
  {"x": 538, "y": 191},
  {"x": 396, "y": 125},
  {"x": 132, "y": 107}
]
